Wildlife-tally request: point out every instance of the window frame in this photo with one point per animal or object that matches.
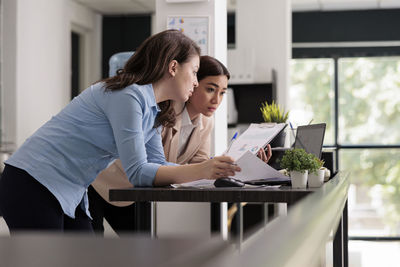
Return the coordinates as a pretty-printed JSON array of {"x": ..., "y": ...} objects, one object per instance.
[{"x": 336, "y": 53}]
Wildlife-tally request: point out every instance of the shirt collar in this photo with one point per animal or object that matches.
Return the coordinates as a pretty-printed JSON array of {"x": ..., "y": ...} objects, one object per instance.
[
  {"x": 186, "y": 119},
  {"x": 152, "y": 98}
]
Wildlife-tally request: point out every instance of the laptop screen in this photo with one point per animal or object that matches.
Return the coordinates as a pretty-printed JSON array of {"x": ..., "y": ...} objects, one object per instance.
[{"x": 310, "y": 138}]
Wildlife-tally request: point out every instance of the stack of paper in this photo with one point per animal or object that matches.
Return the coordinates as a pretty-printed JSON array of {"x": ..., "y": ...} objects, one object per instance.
[
  {"x": 257, "y": 136},
  {"x": 244, "y": 150},
  {"x": 254, "y": 168}
]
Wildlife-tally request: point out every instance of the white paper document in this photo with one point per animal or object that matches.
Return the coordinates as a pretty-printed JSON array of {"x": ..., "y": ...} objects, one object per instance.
[
  {"x": 203, "y": 183},
  {"x": 254, "y": 168},
  {"x": 244, "y": 150},
  {"x": 257, "y": 136}
]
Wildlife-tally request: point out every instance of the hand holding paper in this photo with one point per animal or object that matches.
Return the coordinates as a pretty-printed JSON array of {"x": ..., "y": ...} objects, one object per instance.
[
  {"x": 257, "y": 136},
  {"x": 254, "y": 168}
]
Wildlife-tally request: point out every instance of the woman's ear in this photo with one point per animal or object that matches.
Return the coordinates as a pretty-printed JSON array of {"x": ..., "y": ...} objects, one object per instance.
[{"x": 173, "y": 67}]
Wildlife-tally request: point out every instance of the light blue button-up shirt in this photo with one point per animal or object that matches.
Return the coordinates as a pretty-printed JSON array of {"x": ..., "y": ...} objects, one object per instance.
[{"x": 67, "y": 153}]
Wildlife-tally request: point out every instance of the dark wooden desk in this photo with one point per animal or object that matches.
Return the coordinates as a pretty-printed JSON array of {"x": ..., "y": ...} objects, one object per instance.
[
  {"x": 283, "y": 194},
  {"x": 237, "y": 195}
]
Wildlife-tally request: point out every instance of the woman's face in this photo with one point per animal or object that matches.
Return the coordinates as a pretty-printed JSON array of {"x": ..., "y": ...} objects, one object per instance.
[
  {"x": 186, "y": 78},
  {"x": 208, "y": 95}
]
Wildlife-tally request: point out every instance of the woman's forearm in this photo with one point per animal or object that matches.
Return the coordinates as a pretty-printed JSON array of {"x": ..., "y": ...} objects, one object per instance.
[
  {"x": 215, "y": 168},
  {"x": 177, "y": 174}
]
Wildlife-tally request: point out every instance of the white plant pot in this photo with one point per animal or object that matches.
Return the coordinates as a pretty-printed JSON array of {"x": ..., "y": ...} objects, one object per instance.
[
  {"x": 327, "y": 174},
  {"x": 316, "y": 179},
  {"x": 299, "y": 179}
]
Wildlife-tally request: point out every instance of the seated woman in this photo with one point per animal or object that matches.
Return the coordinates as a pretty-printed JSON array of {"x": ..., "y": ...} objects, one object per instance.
[{"x": 188, "y": 141}]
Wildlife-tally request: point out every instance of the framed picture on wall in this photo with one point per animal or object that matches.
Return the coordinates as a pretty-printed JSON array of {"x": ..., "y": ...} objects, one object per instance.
[{"x": 196, "y": 27}]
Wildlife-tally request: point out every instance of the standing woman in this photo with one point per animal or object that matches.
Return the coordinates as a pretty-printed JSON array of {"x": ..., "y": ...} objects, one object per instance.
[
  {"x": 44, "y": 183},
  {"x": 188, "y": 141}
]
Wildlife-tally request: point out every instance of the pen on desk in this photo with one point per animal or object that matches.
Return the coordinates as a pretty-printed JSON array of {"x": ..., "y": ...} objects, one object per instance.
[{"x": 231, "y": 142}]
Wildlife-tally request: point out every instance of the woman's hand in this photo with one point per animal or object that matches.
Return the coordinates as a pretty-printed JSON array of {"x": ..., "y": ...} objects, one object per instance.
[
  {"x": 263, "y": 156},
  {"x": 217, "y": 167}
]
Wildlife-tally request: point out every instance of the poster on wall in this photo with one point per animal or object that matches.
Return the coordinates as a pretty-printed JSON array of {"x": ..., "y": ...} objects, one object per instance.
[{"x": 194, "y": 27}]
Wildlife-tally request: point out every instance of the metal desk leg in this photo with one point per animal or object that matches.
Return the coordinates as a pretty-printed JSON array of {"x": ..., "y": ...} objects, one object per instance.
[
  {"x": 239, "y": 224},
  {"x": 142, "y": 217},
  {"x": 223, "y": 215},
  {"x": 345, "y": 236},
  {"x": 265, "y": 212},
  {"x": 338, "y": 253},
  {"x": 153, "y": 224}
]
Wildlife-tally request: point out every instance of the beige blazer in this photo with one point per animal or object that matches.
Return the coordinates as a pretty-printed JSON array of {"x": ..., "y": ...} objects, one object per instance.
[
  {"x": 197, "y": 150},
  {"x": 198, "y": 146}
]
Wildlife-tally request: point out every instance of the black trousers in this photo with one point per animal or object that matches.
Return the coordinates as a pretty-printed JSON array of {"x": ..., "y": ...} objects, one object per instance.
[
  {"x": 121, "y": 219},
  {"x": 28, "y": 205}
]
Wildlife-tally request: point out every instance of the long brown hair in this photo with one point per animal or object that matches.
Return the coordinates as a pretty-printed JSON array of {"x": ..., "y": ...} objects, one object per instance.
[{"x": 150, "y": 62}]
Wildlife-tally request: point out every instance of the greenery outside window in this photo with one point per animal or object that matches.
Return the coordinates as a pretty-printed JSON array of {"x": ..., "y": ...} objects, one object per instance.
[{"x": 358, "y": 98}]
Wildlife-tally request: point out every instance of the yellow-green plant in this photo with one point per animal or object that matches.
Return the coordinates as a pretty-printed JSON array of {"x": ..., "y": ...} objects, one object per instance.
[{"x": 273, "y": 112}]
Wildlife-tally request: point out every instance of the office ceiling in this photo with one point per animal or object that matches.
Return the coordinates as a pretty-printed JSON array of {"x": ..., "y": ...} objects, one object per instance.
[
  {"x": 148, "y": 6},
  {"x": 328, "y": 5}
]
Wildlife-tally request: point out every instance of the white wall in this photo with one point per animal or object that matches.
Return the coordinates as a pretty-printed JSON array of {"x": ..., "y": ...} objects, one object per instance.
[
  {"x": 43, "y": 74},
  {"x": 8, "y": 75},
  {"x": 194, "y": 218},
  {"x": 38, "y": 45},
  {"x": 263, "y": 43}
]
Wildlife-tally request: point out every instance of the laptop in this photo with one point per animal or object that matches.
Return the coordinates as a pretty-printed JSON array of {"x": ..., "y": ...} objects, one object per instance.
[{"x": 310, "y": 138}]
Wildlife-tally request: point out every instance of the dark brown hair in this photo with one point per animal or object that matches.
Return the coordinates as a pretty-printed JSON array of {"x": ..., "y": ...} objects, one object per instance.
[
  {"x": 150, "y": 62},
  {"x": 210, "y": 66}
]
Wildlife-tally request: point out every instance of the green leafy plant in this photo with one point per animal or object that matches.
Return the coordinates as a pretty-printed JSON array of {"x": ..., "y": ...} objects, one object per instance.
[
  {"x": 273, "y": 112},
  {"x": 315, "y": 165},
  {"x": 320, "y": 162},
  {"x": 299, "y": 160}
]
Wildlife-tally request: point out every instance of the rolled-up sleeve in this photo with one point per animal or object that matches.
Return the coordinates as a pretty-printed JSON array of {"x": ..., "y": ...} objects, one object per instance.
[{"x": 125, "y": 113}]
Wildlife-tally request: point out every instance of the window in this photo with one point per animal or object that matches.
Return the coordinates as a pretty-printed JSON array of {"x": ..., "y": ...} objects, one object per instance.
[
  {"x": 311, "y": 96},
  {"x": 359, "y": 99},
  {"x": 369, "y": 100}
]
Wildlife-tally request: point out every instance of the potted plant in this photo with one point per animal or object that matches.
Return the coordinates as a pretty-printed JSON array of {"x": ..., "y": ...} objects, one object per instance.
[
  {"x": 297, "y": 161},
  {"x": 316, "y": 173},
  {"x": 274, "y": 113}
]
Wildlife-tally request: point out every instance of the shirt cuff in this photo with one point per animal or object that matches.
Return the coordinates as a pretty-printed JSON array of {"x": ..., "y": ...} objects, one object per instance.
[{"x": 148, "y": 171}]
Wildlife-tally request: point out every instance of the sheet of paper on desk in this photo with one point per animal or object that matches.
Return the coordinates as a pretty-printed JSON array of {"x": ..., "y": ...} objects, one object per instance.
[
  {"x": 199, "y": 183},
  {"x": 254, "y": 168},
  {"x": 257, "y": 136}
]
